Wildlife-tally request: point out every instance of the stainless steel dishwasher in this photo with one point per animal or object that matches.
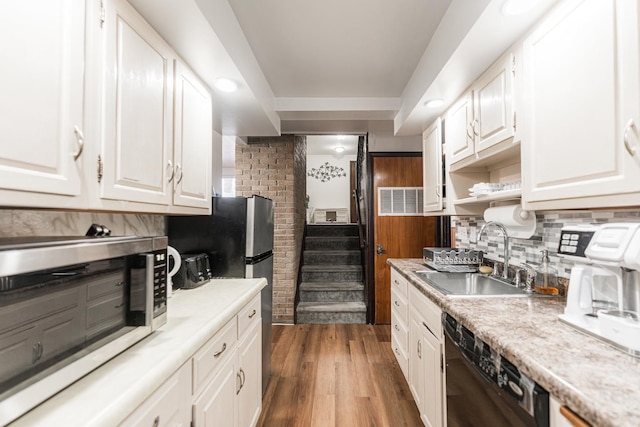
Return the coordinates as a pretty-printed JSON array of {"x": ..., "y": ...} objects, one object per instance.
[{"x": 485, "y": 389}]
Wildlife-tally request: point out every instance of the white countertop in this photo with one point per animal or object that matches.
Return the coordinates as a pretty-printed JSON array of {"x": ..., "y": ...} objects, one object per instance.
[{"x": 107, "y": 395}]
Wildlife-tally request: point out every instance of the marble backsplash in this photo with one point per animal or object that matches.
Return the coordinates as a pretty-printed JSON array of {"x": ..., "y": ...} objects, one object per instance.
[
  {"x": 19, "y": 222},
  {"x": 547, "y": 235}
]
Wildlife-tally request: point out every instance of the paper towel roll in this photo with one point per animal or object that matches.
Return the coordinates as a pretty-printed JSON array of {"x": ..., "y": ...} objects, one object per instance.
[{"x": 518, "y": 222}]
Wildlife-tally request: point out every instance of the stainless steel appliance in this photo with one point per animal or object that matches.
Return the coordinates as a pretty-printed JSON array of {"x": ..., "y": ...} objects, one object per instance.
[
  {"x": 604, "y": 289},
  {"x": 485, "y": 389},
  {"x": 238, "y": 238},
  {"x": 68, "y": 305}
]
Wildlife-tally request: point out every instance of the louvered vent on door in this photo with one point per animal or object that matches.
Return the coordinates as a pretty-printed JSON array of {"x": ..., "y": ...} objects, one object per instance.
[{"x": 400, "y": 201}]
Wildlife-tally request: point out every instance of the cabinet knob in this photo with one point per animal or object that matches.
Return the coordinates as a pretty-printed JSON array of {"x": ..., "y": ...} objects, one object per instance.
[{"x": 156, "y": 421}]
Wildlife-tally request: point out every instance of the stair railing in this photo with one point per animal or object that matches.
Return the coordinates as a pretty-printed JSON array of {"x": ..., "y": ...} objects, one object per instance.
[{"x": 363, "y": 242}]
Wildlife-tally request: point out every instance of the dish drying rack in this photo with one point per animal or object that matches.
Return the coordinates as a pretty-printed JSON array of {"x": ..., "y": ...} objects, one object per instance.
[{"x": 450, "y": 260}]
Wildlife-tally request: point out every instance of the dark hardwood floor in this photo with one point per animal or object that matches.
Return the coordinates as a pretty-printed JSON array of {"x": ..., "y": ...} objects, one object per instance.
[{"x": 336, "y": 375}]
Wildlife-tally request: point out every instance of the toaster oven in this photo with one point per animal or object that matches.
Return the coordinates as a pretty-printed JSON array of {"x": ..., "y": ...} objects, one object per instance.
[{"x": 68, "y": 305}]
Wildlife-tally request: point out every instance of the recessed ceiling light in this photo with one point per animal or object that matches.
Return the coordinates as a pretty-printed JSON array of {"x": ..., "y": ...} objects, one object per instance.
[
  {"x": 517, "y": 7},
  {"x": 434, "y": 103},
  {"x": 226, "y": 85},
  {"x": 339, "y": 149}
]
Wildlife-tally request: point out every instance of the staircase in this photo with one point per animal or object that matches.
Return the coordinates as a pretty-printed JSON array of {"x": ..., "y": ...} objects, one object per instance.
[{"x": 332, "y": 289}]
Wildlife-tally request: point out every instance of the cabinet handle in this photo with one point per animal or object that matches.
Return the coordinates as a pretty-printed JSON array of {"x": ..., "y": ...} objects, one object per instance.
[
  {"x": 119, "y": 305},
  {"x": 396, "y": 303},
  {"x": 34, "y": 353},
  {"x": 470, "y": 132},
  {"x": 218, "y": 353},
  {"x": 396, "y": 327},
  {"x": 156, "y": 421},
  {"x": 244, "y": 378},
  {"x": 631, "y": 150},
  {"x": 240, "y": 385},
  {"x": 419, "y": 349},
  {"x": 170, "y": 170},
  {"x": 252, "y": 314},
  {"x": 179, "y": 173},
  {"x": 80, "y": 139},
  {"x": 473, "y": 126}
]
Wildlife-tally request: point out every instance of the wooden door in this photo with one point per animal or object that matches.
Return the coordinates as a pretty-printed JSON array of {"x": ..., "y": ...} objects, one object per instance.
[{"x": 397, "y": 236}]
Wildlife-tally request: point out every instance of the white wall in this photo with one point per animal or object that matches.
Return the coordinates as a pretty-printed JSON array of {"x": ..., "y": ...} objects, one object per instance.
[{"x": 333, "y": 193}]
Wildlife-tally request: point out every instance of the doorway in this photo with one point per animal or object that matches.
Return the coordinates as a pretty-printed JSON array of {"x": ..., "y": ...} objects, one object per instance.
[{"x": 399, "y": 228}]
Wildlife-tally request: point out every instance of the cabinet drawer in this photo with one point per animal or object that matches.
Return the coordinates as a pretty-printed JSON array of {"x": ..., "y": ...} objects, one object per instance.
[
  {"x": 399, "y": 332},
  {"x": 249, "y": 315},
  {"x": 211, "y": 355},
  {"x": 399, "y": 307},
  {"x": 167, "y": 406},
  {"x": 428, "y": 310},
  {"x": 401, "y": 356},
  {"x": 399, "y": 283}
]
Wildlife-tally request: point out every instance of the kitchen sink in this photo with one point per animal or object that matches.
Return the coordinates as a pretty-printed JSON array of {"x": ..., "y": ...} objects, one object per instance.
[{"x": 470, "y": 284}]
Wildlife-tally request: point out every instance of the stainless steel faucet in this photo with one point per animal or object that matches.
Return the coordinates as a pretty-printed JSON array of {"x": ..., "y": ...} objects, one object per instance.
[{"x": 505, "y": 270}]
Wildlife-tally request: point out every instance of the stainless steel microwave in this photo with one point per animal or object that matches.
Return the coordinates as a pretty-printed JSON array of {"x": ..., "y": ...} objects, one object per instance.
[{"x": 70, "y": 304}]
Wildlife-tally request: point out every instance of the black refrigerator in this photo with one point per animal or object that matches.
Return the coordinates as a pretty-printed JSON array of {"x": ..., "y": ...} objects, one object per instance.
[{"x": 238, "y": 238}]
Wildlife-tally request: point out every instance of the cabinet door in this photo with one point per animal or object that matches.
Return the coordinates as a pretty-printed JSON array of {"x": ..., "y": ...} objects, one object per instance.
[
  {"x": 431, "y": 411},
  {"x": 458, "y": 131},
  {"x": 168, "y": 406},
  {"x": 217, "y": 405},
  {"x": 138, "y": 106},
  {"x": 432, "y": 167},
  {"x": 42, "y": 81},
  {"x": 192, "y": 141},
  {"x": 493, "y": 105},
  {"x": 250, "y": 369},
  {"x": 581, "y": 78},
  {"x": 416, "y": 362}
]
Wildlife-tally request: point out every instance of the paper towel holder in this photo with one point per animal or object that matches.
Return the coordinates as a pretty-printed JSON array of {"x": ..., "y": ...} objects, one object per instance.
[{"x": 520, "y": 223}]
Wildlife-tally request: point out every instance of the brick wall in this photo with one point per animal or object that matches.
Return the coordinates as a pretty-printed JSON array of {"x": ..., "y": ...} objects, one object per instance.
[{"x": 276, "y": 168}]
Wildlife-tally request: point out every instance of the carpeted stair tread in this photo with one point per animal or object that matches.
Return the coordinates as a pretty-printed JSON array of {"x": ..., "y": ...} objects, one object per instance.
[{"x": 332, "y": 307}]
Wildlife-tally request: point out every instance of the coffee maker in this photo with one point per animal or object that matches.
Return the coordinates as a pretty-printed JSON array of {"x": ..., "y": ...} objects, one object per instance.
[{"x": 604, "y": 289}]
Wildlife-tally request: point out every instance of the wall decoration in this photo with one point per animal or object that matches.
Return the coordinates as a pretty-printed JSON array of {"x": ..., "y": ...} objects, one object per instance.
[{"x": 326, "y": 171}]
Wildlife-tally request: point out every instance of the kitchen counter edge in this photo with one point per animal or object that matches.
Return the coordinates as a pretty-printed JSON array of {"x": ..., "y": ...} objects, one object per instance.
[
  {"x": 106, "y": 396},
  {"x": 595, "y": 380}
]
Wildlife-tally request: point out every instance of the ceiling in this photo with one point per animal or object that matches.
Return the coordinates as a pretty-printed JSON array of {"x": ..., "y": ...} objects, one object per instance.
[{"x": 335, "y": 66}]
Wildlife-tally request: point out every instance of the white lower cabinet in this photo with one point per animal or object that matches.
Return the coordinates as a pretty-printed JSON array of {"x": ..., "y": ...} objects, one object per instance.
[
  {"x": 426, "y": 374},
  {"x": 227, "y": 373},
  {"x": 168, "y": 406},
  {"x": 399, "y": 320}
]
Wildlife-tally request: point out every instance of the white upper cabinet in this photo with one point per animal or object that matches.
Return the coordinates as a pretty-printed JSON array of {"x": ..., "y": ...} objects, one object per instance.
[
  {"x": 493, "y": 105},
  {"x": 42, "y": 84},
  {"x": 137, "y": 109},
  {"x": 483, "y": 116},
  {"x": 193, "y": 136},
  {"x": 458, "y": 130},
  {"x": 432, "y": 167},
  {"x": 581, "y": 145}
]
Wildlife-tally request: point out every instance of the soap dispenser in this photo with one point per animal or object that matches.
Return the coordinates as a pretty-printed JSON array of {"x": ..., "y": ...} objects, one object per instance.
[{"x": 546, "y": 276}]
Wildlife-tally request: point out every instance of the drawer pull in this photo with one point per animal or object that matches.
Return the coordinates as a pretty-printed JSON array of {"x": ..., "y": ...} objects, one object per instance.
[
  {"x": 252, "y": 314},
  {"x": 156, "y": 421},
  {"x": 119, "y": 305},
  {"x": 396, "y": 303},
  {"x": 224, "y": 347},
  {"x": 396, "y": 327}
]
